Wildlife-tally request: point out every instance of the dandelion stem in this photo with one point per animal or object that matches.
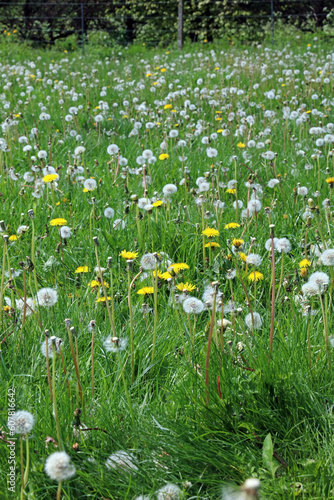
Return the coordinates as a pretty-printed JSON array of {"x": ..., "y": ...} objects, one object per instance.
[
  {"x": 207, "y": 362},
  {"x": 60, "y": 444},
  {"x": 22, "y": 473},
  {"x": 26, "y": 472},
  {"x": 59, "y": 490},
  {"x": 2, "y": 279},
  {"x": 75, "y": 365},
  {"x": 155, "y": 319},
  {"x": 105, "y": 292},
  {"x": 273, "y": 288},
  {"x": 47, "y": 361}
]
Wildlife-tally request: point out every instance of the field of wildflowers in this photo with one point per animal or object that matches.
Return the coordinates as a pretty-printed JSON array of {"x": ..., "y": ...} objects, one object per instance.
[{"x": 167, "y": 276}]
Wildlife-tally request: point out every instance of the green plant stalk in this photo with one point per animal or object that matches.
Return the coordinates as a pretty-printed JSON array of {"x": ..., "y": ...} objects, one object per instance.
[
  {"x": 60, "y": 444},
  {"x": 271, "y": 339},
  {"x": 48, "y": 364},
  {"x": 75, "y": 366},
  {"x": 59, "y": 491},
  {"x": 22, "y": 472},
  {"x": 26, "y": 472},
  {"x": 112, "y": 297},
  {"x": 33, "y": 254},
  {"x": 155, "y": 320},
  {"x": 2, "y": 279},
  {"x": 105, "y": 292},
  {"x": 131, "y": 328},
  {"x": 207, "y": 361},
  {"x": 10, "y": 277}
]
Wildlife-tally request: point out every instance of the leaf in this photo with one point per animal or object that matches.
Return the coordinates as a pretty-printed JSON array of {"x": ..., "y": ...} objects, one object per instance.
[{"x": 267, "y": 455}]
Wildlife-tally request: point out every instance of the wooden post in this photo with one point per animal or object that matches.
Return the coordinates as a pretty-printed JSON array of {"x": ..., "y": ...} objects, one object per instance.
[{"x": 180, "y": 26}]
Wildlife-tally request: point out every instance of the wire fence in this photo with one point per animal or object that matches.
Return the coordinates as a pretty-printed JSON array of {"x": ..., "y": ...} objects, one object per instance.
[{"x": 47, "y": 22}]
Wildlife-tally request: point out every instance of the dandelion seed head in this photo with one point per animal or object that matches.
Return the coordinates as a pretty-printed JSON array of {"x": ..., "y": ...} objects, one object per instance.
[
  {"x": 58, "y": 466},
  {"x": 193, "y": 306},
  {"x": 253, "y": 321},
  {"x": 21, "y": 422},
  {"x": 47, "y": 297}
]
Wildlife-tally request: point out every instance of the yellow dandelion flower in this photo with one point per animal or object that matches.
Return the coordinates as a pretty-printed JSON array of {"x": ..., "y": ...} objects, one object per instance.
[
  {"x": 303, "y": 272},
  {"x": 163, "y": 70},
  {"x": 231, "y": 225},
  {"x": 146, "y": 290},
  {"x": 237, "y": 243},
  {"x": 13, "y": 237},
  {"x": 165, "y": 276},
  {"x": 210, "y": 233},
  {"x": 304, "y": 263},
  {"x": 168, "y": 106},
  {"x": 255, "y": 276},
  {"x": 178, "y": 267},
  {"x": 212, "y": 244},
  {"x": 163, "y": 156},
  {"x": 242, "y": 256},
  {"x": 6, "y": 308},
  {"x": 96, "y": 284},
  {"x": 231, "y": 191},
  {"x": 186, "y": 286},
  {"x": 128, "y": 255},
  {"x": 58, "y": 222},
  {"x": 157, "y": 203},
  {"x": 82, "y": 269},
  {"x": 148, "y": 74},
  {"x": 241, "y": 145},
  {"x": 102, "y": 299},
  {"x": 50, "y": 178},
  {"x": 330, "y": 180}
]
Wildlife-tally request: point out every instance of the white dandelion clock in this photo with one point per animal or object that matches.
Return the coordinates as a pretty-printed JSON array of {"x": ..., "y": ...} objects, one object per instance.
[
  {"x": 65, "y": 232},
  {"x": 90, "y": 184},
  {"x": 58, "y": 466},
  {"x": 121, "y": 460},
  {"x": 47, "y": 297},
  {"x": 193, "y": 306},
  {"x": 254, "y": 259},
  {"x": 21, "y": 422},
  {"x": 112, "y": 149},
  {"x": 52, "y": 341},
  {"x": 118, "y": 224},
  {"x": 114, "y": 344},
  {"x": 320, "y": 281},
  {"x": 149, "y": 261},
  {"x": 109, "y": 213},
  {"x": 283, "y": 245},
  {"x": 253, "y": 320},
  {"x": 327, "y": 257},
  {"x": 169, "y": 189},
  {"x": 169, "y": 492}
]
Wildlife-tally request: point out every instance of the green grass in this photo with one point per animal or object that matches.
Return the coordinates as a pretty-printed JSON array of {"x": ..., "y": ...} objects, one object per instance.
[{"x": 178, "y": 428}]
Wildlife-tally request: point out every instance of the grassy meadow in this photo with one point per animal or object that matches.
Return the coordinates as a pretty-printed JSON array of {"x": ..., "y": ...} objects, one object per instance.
[{"x": 167, "y": 276}]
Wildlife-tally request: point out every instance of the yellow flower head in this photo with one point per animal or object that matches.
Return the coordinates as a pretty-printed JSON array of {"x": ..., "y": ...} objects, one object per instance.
[
  {"x": 50, "y": 178},
  {"x": 255, "y": 276},
  {"x": 237, "y": 243},
  {"x": 304, "y": 263},
  {"x": 241, "y": 145},
  {"x": 168, "y": 106},
  {"x": 232, "y": 225},
  {"x": 13, "y": 237},
  {"x": 231, "y": 191},
  {"x": 82, "y": 269},
  {"x": 58, "y": 222},
  {"x": 146, "y": 290},
  {"x": 163, "y": 156},
  {"x": 186, "y": 286},
  {"x": 210, "y": 233},
  {"x": 165, "y": 276},
  {"x": 95, "y": 284},
  {"x": 242, "y": 256},
  {"x": 128, "y": 255},
  {"x": 102, "y": 299},
  {"x": 330, "y": 180},
  {"x": 157, "y": 203},
  {"x": 212, "y": 244},
  {"x": 178, "y": 267}
]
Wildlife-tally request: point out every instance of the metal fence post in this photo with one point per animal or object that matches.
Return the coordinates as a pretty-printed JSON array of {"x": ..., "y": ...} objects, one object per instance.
[
  {"x": 272, "y": 22},
  {"x": 180, "y": 26},
  {"x": 82, "y": 30}
]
